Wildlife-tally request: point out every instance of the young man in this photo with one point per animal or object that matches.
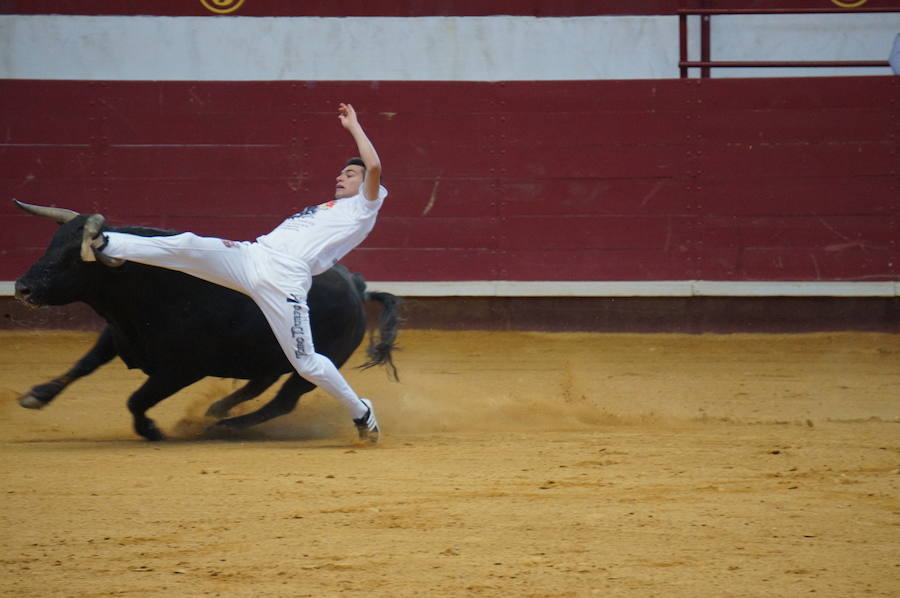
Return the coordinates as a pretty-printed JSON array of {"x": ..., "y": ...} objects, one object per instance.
[{"x": 276, "y": 271}]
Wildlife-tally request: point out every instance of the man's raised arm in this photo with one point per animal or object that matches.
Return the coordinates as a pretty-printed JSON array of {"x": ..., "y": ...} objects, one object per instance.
[{"x": 367, "y": 152}]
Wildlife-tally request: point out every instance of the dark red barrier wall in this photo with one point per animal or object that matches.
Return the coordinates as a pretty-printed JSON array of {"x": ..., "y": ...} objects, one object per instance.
[{"x": 755, "y": 179}]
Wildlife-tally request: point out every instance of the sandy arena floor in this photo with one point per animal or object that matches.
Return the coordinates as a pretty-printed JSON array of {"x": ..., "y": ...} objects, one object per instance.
[{"x": 514, "y": 464}]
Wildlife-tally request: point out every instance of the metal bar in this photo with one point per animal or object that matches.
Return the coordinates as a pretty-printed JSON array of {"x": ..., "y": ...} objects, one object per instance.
[
  {"x": 777, "y": 63},
  {"x": 705, "y": 43},
  {"x": 682, "y": 44}
]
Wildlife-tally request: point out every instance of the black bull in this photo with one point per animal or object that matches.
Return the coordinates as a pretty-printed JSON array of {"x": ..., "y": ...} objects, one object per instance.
[{"x": 179, "y": 329}]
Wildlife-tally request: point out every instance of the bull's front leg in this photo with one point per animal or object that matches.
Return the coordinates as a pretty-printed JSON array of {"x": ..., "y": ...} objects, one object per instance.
[
  {"x": 155, "y": 389},
  {"x": 101, "y": 353}
]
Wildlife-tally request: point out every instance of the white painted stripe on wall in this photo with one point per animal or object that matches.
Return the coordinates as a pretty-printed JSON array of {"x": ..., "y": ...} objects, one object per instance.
[
  {"x": 349, "y": 49},
  {"x": 494, "y": 48},
  {"x": 707, "y": 288},
  {"x": 662, "y": 288},
  {"x": 510, "y": 288},
  {"x": 625, "y": 288}
]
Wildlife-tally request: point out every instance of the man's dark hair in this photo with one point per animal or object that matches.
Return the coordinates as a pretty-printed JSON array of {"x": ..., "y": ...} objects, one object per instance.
[{"x": 356, "y": 162}]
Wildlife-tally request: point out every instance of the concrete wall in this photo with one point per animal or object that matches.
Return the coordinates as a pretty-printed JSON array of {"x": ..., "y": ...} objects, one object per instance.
[{"x": 487, "y": 48}]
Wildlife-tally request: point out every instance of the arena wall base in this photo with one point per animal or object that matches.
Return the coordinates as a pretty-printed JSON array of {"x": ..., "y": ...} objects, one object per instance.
[{"x": 693, "y": 315}]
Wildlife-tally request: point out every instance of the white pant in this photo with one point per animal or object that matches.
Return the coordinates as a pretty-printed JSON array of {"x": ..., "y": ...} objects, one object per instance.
[{"x": 277, "y": 283}]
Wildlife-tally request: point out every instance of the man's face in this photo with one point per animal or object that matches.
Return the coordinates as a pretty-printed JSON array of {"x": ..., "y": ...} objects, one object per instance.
[{"x": 349, "y": 181}]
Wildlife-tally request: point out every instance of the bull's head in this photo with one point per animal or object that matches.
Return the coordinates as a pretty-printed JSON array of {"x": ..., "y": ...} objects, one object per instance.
[{"x": 61, "y": 276}]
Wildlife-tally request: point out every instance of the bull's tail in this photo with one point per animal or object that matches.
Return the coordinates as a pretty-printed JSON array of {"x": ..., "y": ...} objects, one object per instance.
[{"x": 380, "y": 349}]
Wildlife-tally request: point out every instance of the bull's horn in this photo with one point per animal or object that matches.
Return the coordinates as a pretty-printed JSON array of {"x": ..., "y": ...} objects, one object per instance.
[{"x": 59, "y": 215}]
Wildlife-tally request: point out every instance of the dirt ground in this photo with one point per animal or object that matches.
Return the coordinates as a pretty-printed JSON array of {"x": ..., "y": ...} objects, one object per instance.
[{"x": 513, "y": 464}]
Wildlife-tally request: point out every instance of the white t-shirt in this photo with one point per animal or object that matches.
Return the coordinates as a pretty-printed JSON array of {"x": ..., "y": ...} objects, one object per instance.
[{"x": 323, "y": 234}]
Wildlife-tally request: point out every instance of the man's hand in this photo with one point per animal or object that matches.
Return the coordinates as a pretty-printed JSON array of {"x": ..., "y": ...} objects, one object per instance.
[{"x": 347, "y": 115}]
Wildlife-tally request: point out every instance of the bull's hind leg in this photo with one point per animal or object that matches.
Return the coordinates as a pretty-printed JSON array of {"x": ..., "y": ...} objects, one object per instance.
[
  {"x": 282, "y": 404},
  {"x": 154, "y": 390},
  {"x": 251, "y": 390}
]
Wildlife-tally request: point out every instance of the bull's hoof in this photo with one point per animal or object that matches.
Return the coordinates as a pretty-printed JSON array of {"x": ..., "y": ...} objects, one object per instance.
[
  {"x": 240, "y": 422},
  {"x": 31, "y": 402},
  {"x": 226, "y": 428},
  {"x": 225, "y": 424},
  {"x": 148, "y": 430},
  {"x": 40, "y": 396},
  {"x": 217, "y": 432}
]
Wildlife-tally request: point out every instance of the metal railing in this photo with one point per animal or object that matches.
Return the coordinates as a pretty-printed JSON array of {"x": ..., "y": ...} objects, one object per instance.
[{"x": 706, "y": 62}]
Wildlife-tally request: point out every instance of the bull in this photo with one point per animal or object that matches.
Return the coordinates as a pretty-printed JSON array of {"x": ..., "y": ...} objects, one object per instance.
[{"x": 179, "y": 329}]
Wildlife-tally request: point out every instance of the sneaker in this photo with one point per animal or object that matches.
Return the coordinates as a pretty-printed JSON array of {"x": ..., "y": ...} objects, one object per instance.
[{"x": 367, "y": 425}]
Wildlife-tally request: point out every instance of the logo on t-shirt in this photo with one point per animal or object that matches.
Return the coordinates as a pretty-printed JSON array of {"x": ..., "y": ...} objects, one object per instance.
[
  {"x": 305, "y": 213},
  {"x": 310, "y": 211}
]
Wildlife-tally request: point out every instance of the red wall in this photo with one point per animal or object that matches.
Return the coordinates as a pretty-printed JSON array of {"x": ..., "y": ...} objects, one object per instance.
[{"x": 723, "y": 179}]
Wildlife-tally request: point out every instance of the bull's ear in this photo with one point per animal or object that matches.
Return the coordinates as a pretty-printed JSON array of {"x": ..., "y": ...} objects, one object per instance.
[{"x": 58, "y": 215}]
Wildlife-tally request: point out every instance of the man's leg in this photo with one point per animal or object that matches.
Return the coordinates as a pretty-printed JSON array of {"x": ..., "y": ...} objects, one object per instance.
[
  {"x": 215, "y": 260},
  {"x": 288, "y": 315}
]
